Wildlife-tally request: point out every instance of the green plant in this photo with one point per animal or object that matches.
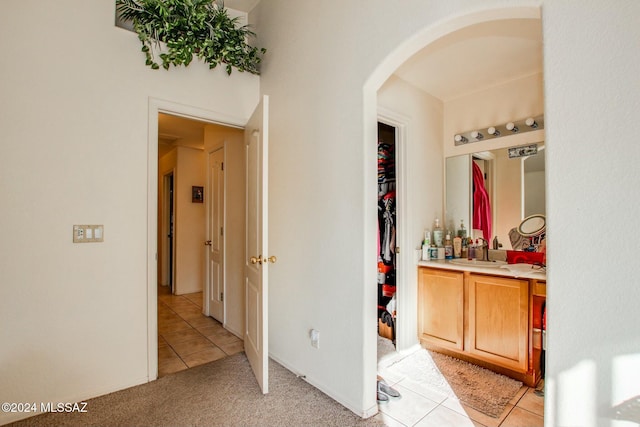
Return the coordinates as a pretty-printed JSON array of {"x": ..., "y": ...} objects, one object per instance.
[{"x": 189, "y": 28}]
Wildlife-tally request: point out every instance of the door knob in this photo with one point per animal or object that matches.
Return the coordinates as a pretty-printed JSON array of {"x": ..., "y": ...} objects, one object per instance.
[
  {"x": 256, "y": 260},
  {"x": 272, "y": 259},
  {"x": 207, "y": 243}
]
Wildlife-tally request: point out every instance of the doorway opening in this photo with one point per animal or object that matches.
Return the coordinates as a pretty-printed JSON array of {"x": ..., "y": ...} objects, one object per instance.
[
  {"x": 387, "y": 235},
  {"x": 168, "y": 218},
  {"x": 190, "y": 240}
]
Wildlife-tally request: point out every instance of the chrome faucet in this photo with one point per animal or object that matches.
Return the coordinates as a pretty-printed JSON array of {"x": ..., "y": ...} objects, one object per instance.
[{"x": 484, "y": 250}]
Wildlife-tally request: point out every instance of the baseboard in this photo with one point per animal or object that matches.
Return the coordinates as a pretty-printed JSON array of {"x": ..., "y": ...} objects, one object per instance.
[
  {"x": 233, "y": 331},
  {"x": 352, "y": 406}
]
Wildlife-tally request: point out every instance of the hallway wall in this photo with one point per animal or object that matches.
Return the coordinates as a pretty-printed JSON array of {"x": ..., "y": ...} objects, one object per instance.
[
  {"x": 75, "y": 150},
  {"x": 189, "y": 227}
]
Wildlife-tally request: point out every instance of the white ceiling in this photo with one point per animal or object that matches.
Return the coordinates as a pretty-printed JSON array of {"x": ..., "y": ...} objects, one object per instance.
[
  {"x": 469, "y": 60},
  {"x": 476, "y": 58}
]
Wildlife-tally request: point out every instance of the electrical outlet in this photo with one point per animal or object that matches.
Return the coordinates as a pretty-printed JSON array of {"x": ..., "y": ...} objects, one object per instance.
[{"x": 315, "y": 338}]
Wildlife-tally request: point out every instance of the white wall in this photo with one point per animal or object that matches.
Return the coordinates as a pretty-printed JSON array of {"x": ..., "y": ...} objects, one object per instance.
[
  {"x": 419, "y": 187},
  {"x": 591, "y": 84},
  {"x": 188, "y": 167},
  {"x": 75, "y": 144},
  {"x": 190, "y": 222},
  {"x": 323, "y": 125},
  {"x": 232, "y": 140}
]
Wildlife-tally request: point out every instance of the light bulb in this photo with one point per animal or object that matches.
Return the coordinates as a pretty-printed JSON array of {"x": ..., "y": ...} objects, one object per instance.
[
  {"x": 512, "y": 127},
  {"x": 476, "y": 135},
  {"x": 460, "y": 138},
  {"x": 531, "y": 123},
  {"x": 493, "y": 131}
]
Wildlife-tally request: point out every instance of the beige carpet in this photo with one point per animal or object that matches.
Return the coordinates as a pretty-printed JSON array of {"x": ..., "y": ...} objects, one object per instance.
[
  {"x": 220, "y": 393},
  {"x": 474, "y": 386}
]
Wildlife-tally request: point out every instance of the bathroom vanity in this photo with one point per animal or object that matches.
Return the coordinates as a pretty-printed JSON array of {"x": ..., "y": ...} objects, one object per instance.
[{"x": 489, "y": 316}]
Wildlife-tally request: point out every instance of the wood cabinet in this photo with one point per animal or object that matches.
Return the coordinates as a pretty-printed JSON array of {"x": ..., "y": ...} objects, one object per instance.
[
  {"x": 442, "y": 319},
  {"x": 498, "y": 320},
  {"x": 485, "y": 319}
]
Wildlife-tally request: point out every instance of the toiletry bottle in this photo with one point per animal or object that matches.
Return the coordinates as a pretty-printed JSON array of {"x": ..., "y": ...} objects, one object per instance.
[
  {"x": 457, "y": 247},
  {"x": 448, "y": 247},
  {"x": 496, "y": 245},
  {"x": 438, "y": 234},
  {"x": 426, "y": 243},
  {"x": 471, "y": 250}
]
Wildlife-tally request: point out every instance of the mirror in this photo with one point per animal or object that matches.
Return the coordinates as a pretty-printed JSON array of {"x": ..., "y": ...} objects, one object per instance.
[{"x": 515, "y": 189}]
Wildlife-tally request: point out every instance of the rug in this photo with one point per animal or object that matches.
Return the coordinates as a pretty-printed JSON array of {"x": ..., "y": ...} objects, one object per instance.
[{"x": 476, "y": 387}]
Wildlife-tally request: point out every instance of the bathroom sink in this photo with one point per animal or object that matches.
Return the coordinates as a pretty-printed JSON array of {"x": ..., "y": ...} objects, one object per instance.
[{"x": 478, "y": 263}]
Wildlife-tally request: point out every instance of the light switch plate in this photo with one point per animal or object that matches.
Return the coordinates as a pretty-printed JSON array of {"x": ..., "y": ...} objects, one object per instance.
[{"x": 88, "y": 233}]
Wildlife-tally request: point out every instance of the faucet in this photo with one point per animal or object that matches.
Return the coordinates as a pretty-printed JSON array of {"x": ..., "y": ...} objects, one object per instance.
[{"x": 484, "y": 250}]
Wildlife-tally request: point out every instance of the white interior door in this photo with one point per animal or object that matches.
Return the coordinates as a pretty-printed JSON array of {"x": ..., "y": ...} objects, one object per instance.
[
  {"x": 215, "y": 234},
  {"x": 256, "y": 343}
]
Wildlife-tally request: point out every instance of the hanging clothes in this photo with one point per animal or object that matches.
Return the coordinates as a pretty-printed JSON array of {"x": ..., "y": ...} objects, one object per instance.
[{"x": 481, "y": 204}]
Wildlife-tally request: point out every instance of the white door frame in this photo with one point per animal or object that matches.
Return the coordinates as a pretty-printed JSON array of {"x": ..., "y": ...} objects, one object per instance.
[
  {"x": 162, "y": 106},
  {"x": 404, "y": 260}
]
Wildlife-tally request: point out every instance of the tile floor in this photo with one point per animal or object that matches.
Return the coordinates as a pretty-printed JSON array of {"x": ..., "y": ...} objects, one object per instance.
[
  {"x": 424, "y": 406},
  {"x": 186, "y": 337}
]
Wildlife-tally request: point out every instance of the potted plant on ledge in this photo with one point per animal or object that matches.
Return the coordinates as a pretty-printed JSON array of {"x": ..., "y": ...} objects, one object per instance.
[{"x": 178, "y": 30}]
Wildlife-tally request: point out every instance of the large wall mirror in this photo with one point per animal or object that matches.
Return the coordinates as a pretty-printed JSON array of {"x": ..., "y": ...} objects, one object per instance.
[{"x": 515, "y": 188}]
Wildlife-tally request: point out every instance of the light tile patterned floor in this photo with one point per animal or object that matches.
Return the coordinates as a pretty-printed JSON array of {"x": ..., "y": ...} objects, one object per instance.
[
  {"x": 186, "y": 337},
  {"x": 425, "y": 406}
]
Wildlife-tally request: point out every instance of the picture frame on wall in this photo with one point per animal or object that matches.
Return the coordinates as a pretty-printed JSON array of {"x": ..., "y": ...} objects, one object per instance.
[{"x": 197, "y": 194}]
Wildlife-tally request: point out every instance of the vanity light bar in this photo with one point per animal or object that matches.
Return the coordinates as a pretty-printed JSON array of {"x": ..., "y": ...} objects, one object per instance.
[{"x": 519, "y": 126}]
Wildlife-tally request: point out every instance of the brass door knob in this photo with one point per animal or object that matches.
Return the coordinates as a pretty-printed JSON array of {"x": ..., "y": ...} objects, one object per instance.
[
  {"x": 256, "y": 260},
  {"x": 272, "y": 259},
  {"x": 207, "y": 243}
]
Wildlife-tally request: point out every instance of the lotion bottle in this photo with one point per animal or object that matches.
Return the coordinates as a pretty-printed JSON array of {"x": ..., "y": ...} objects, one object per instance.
[
  {"x": 457, "y": 247},
  {"x": 438, "y": 234},
  {"x": 448, "y": 247},
  {"x": 426, "y": 244}
]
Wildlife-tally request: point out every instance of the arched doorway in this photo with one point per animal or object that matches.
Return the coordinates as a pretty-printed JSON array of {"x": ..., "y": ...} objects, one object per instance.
[{"x": 406, "y": 335}]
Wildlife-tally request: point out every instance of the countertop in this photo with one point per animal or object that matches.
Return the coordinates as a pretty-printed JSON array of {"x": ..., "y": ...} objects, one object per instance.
[{"x": 520, "y": 271}]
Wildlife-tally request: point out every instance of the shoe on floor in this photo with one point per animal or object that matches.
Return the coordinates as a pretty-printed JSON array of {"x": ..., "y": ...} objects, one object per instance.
[
  {"x": 384, "y": 388},
  {"x": 382, "y": 398}
]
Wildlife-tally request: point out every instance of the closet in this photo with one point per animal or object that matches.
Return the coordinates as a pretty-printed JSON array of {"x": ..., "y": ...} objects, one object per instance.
[{"x": 386, "y": 231}]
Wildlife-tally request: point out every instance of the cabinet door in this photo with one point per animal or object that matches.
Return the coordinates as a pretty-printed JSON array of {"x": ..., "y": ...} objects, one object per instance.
[
  {"x": 498, "y": 320},
  {"x": 440, "y": 307}
]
